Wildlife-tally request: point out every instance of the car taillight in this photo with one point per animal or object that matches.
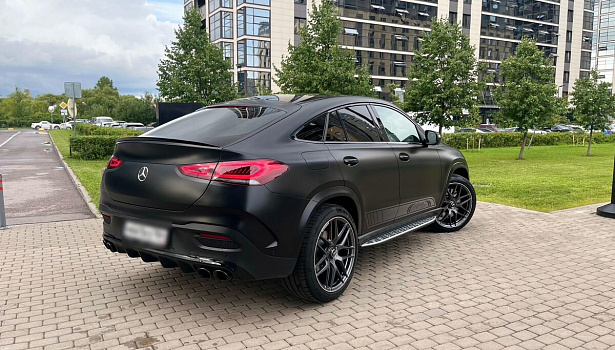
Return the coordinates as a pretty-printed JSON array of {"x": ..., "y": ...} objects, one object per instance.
[
  {"x": 201, "y": 171},
  {"x": 248, "y": 172},
  {"x": 114, "y": 163}
]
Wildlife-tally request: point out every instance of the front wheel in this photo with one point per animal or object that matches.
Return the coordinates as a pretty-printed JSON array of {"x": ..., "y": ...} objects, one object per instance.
[
  {"x": 457, "y": 206},
  {"x": 327, "y": 258}
]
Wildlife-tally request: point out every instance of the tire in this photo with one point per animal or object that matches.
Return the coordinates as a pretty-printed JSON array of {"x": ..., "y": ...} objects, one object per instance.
[
  {"x": 57, "y": 128},
  {"x": 318, "y": 275},
  {"x": 458, "y": 206}
]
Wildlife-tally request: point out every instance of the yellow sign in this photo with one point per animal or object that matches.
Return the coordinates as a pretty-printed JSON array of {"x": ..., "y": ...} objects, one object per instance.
[{"x": 63, "y": 105}]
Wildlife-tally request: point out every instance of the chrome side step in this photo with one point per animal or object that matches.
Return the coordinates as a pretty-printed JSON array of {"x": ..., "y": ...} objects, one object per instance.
[{"x": 387, "y": 236}]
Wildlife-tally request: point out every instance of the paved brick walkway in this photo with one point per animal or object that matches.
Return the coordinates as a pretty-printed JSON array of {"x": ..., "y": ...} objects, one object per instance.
[{"x": 512, "y": 279}]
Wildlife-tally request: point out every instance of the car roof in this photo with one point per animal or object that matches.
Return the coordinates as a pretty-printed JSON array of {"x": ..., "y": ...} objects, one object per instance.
[{"x": 290, "y": 103}]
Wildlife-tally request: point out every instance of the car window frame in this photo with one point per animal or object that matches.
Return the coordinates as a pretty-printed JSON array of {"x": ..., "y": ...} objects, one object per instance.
[
  {"x": 419, "y": 129},
  {"x": 371, "y": 115},
  {"x": 324, "y": 132}
]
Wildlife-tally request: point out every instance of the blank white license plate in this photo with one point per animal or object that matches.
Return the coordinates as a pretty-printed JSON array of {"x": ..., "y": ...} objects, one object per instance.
[{"x": 153, "y": 235}]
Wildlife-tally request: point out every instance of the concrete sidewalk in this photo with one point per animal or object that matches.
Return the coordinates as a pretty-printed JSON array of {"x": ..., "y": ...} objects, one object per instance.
[{"x": 512, "y": 279}]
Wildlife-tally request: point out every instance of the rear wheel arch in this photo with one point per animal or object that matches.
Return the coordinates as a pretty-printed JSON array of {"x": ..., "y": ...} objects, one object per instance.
[{"x": 338, "y": 195}]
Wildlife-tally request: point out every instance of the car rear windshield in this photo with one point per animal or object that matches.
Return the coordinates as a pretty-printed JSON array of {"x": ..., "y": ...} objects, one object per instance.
[{"x": 218, "y": 126}]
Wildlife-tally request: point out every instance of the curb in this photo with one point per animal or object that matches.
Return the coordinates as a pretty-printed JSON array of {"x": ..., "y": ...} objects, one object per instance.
[{"x": 82, "y": 190}]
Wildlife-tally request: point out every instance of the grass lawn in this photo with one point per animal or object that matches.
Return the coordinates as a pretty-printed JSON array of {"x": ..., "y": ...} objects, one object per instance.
[
  {"x": 87, "y": 171},
  {"x": 550, "y": 178}
]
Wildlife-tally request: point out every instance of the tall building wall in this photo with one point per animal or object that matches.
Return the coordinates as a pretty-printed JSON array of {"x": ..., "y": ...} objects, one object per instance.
[{"x": 386, "y": 33}]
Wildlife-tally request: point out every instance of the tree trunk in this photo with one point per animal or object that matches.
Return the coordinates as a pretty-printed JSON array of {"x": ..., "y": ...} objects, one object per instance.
[
  {"x": 531, "y": 139},
  {"x": 440, "y": 129},
  {"x": 589, "y": 146},
  {"x": 523, "y": 146}
]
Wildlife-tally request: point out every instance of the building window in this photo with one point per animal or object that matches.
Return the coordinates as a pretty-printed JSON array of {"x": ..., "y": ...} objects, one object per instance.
[
  {"x": 567, "y": 57},
  {"x": 299, "y": 23},
  {"x": 569, "y": 36},
  {"x": 221, "y": 26},
  {"x": 607, "y": 6},
  {"x": 255, "y": 82},
  {"x": 254, "y": 22},
  {"x": 466, "y": 21},
  {"x": 607, "y": 35},
  {"x": 452, "y": 17},
  {"x": 254, "y": 2},
  {"x": 588, "y": 20},
  {"x": 227, "y": 50},
  {"x": 589, "y": 5},
  {"x": 570, "y": 15},
  {"x": 605, "y": 63},
  {"x": 586, "y": 60},
  {"x": 254, "y": 53},
  {"x": 216, "y": 4},
  {"x": 566, "y": 77}
]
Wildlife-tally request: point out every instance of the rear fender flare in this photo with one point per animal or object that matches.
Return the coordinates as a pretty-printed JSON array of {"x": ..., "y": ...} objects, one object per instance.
[{"x": 319, "y": 199}]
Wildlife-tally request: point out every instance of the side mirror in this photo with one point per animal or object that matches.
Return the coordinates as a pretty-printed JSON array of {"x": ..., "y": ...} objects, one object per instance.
[{"x": 432, "y": 138}]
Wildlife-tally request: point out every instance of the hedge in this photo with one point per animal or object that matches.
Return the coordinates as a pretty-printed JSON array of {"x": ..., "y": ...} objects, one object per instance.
[
  {"x": 513, "y": 139},
  {"x": 96, "y": 142},
  {"x": 88, "y": 129}
]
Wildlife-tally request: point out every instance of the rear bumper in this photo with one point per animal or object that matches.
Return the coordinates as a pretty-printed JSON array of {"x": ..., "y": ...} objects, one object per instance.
[{"x": 243, "y": 260}]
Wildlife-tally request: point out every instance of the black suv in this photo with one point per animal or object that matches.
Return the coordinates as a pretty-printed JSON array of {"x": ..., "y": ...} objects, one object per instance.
[{"x": 281, "y": 186}]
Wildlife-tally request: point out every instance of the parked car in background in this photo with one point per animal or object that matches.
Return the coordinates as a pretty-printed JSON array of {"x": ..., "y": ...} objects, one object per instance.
[
  {"x": 101, "y": 120},
  {"x": 85, "y": 121},
  {"x": 561, "y": 128},
  {"x": 206, "y": 192},
  {"x": 67, "y": 126},
  {"x": 108, "y": 124},
  {"x": 133, "y": 125},
  {"x": 610, "y": 130},
  {"x": 45, "y": 125}
]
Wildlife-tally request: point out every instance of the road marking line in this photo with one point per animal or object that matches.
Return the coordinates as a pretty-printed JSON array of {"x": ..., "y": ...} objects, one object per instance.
[{"x": 10, "y": 138}]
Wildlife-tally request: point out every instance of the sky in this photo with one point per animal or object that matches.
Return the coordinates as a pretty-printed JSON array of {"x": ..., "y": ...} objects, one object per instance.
[{"x": 45, "y": 43}]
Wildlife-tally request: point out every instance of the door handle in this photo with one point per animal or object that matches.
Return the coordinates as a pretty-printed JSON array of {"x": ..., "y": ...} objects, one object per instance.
[
  {"x": 404, "y": 157},
  {"x": 351, "y": 161}
]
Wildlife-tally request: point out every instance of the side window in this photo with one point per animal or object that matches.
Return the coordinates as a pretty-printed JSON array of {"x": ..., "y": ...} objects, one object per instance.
[
  {"x": 335, "y": 129},
  {"x": 313, "y": 130},
  {"x": 359, "y": 127},
  {"x": 397, "y": 126}
]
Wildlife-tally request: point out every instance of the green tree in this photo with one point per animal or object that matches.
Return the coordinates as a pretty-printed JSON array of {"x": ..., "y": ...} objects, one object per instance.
[
  {"x": 99, "y": 101},
  {"x": 318, "y": 65},
  {"x": 528, "y": 96},
  {"x": 133, "y": 109},
  {"x": 593, "y": 104},
  {"x": 16, "y": 108},
  {"x": 444, "y": 79},
  {"x": 194, "y": 69},
  {"x": 104, "y": 82}
]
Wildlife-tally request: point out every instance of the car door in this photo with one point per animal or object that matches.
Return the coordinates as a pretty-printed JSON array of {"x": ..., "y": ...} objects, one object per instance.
[
  {"x": 420, "y": 173},
  {"x": 367, "y": 163}
]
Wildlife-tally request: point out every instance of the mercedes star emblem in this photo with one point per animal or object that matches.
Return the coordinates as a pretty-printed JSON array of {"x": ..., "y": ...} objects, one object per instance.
[{"x": 142, "y": 175}]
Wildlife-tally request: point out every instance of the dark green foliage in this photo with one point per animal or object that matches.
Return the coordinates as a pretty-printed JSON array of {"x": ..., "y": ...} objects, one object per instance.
[
  {"x": 92, "y": 147},
  {"x": 96, "y": 142},
  {"x": 318, "y": 65},
  {"x": 594, "y": 104},
  {"x": 528, "y": 97},
  {"x": 194, "y": 70},
  {"x": 444, "y": 79},
  {"x": 513, "y": 139}
]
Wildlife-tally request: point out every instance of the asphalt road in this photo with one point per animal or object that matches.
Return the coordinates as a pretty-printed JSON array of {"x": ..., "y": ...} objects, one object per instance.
[{"x": 37, "y": 188}]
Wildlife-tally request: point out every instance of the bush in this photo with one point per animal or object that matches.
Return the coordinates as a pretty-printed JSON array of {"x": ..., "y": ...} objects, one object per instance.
[
  {"x": 513, "y": 139},
  {"x": 88, "y": 129},
  {"x": 92, "y": 147},
  {"x": 96, "y": 142}
]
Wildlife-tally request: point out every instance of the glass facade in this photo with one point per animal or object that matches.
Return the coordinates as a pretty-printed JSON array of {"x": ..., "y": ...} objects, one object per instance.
[
  {"x": 386, "y": 11},
  {"x": 227, "y": 50},
  {"x": 528, "y": 9},
  {"x": 221, "y": 26},
  {"x": 507, "y": 28},
  {"x": 216, "y": 4},
  {"x": 253, "y": 22},
  {"x": 253, "y": 2},
  {"x": 254, "y": 53}
]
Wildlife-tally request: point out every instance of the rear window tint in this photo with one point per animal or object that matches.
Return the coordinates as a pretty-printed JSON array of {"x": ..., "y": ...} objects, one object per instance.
[{"x": 217, "y": 126}]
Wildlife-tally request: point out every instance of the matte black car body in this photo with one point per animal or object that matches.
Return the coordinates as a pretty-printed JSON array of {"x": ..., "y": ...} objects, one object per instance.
[{"x": 266, "y": 224}]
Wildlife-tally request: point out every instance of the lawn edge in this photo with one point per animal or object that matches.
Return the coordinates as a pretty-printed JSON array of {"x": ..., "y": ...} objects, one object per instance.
[{"x": 84, "y": 193}]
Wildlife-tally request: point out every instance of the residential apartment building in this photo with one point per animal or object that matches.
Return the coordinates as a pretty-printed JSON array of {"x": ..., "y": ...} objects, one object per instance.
[
  {"x": 385, "y": 34},
  {"x": 604, "y": 36}
]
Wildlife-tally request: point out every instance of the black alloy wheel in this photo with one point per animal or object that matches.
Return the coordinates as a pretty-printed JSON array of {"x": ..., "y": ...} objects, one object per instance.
[
  {"x": 328, "y": 256},
  {"x": 457, "y": 205}
]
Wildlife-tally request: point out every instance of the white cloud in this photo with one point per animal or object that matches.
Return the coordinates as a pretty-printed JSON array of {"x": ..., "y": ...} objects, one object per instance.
[{"x": 44, "y": 43}]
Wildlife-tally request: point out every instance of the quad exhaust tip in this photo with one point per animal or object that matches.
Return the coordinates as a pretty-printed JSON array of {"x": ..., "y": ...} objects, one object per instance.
[
  {"x": 221, "y": 275},
  {"x": 110, "y": 246},
  {"x": 204, "y": 273}
]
